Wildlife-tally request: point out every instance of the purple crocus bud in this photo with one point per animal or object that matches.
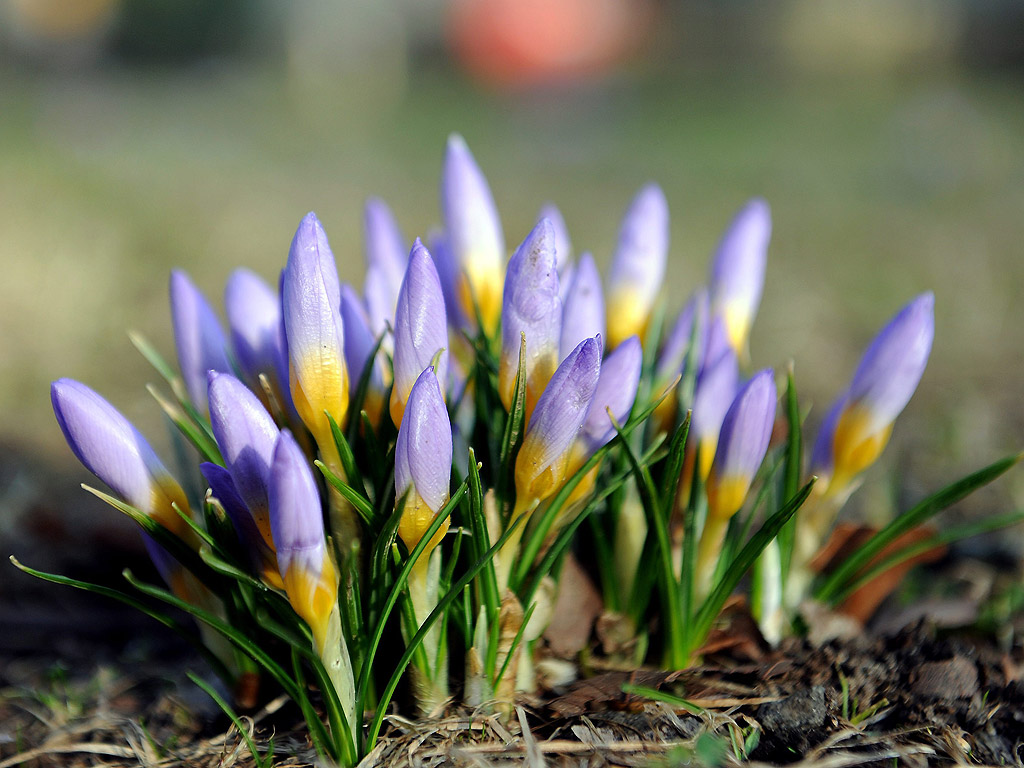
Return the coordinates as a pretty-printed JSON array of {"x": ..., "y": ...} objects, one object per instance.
[
  {"x": 447, "y": 271},
  {"x": 259, "y": 548},
  {"x": 423, "y": 461},
  {"x": 822, "y": 460},
  {"x": 474, "y": 235},
  {"x": 563, "y": 245},
  {"x": 246, "y": 435},
  {"x": 737, "y": 271},
  {"x": 676, "y": 347},
  {"x": 386, "y": 260},
  {"x": 296, "y": 520},
  {"x": 359, "y": 345},
  {"x": 110, "y": 447},
  {"x": 384, "y": 244},
  {"x": 421, "y": 330},
  {"x": 884, "y": 382},
  {"x": 583, "y": 306},
  {"x": 742, "y": 445},
  {"x": 257, "y": 334},
  {"x": 616, "y": 391},
  {"x": 716, "y": 388},
  {"x": 544, "y": 455},
  {"x": 311, "y": 305},
  {"x": 638, "y": 266},
  {"x": 530, "y": 308},
  {"x": 198, "y": 337}
]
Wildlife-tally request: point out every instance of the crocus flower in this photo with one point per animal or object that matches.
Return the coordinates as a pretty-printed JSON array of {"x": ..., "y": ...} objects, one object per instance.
[
  {"x": 198, "y": 337},
  {"x": 742, "y": 445},
  {"x": 531, "y": 309},
  {"x": 676, "y": 347},
  {"x": 246, "y": 435},
  {"x": 260, "y": 549},
  {"x": 296, "y": 520},
  {"x": 474, "y": 235},
  {"x": 110, "y": 447},
  {"x": 423, "y": 461},
  {"x": 616, "y": 389},
  {"x": 311, "y": 305},
  {"x": 359, "y": 345},
  {"x": 583, "y": 306},
  {"x": 882, "y": 386},
  {"x": 712, "y": 398},
  {"x": 421, "y": 330},
  {"x": 638, "y": 266},
  {"x": 257, "y": 334},
  {"x": 563, "y": 245},
  {"x": 737, "y": 271},
  {"x": 386, "y": 259},
  {"x": 544, "y": 455}
]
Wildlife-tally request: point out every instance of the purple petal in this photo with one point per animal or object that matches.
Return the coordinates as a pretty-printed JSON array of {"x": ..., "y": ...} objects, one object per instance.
[
  {"x": 563, "y": 406},
  {"x": 198, "y": 337},
  {"x": 737, "y": 271},
  {"x": 616, "y": 391},
  {"x": 747, "y": 429},
  {"x": 311, "y": 305},
  {"x": 222, "y": 487},
  {"x": 296, "y": 516},
  {"x": 893, "y": 364},
  {"x": 423, "y": 450},
  {"x": 385, "y": 246},
  {"x": 823, "y": 455},
  {"x": 674, "y": 351},
  {"x": 531, "y": 307},
  {"x": 583, "y": 309},
  {"x": 246, "y": 435},
  {"x": 473, "y": 228},
  {"x": 107, "y": 444},
  {"x": 254, "y": 316},
  {"x": 715, "y": 391},
  {"x": 638, "y": 266},
  {"x": 563, "y": 245},
  {"x": 420, "y": 327}
]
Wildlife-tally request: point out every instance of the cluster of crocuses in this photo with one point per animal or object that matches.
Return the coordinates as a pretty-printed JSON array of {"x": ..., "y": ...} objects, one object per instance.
[{"x": 463, "y": 398}]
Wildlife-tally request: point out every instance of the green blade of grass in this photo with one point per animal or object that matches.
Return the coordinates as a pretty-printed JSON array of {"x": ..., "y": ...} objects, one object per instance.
[
  {"x": 912, "y": 518},
  {"x": 941, "y": 538}
]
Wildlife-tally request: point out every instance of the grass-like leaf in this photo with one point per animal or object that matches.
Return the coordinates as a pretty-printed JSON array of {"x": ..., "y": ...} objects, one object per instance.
[
  {"x": 667, "y": 698},
  {"x": 912, "y": 518},
  {"x": 740, "y": 564},
  {"x": 359, "y": 502},
  {"x": 261, "y": 761},
  {"x": 122, "y": 597},
  {"x": 941, "y": 538},
  {"x": 439, "y": 610}
]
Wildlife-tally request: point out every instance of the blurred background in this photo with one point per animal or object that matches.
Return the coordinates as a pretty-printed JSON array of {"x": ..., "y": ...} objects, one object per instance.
[{"x": 888, "y": 136}]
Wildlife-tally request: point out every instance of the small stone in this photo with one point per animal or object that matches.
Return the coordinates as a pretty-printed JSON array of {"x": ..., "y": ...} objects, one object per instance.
[{"x": 955, "y": 678}]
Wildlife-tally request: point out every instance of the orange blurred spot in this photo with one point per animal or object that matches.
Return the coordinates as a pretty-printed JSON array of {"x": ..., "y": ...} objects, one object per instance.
[{"x": 532, "y": 42}]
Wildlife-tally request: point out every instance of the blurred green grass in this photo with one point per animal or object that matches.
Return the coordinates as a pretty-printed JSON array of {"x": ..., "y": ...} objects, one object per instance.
[{"x": 880, "y": 188}]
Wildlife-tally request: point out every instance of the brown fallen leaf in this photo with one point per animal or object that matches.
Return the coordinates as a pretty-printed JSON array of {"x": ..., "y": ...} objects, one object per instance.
[
  {"x": 576, "y": 609},
  {"x": 846, "y": 538}
]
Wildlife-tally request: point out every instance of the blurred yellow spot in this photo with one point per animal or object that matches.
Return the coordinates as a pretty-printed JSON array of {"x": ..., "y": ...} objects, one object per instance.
[
  {"x": 63, "y": 19},
  {"x": 627, "y": 315}
]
